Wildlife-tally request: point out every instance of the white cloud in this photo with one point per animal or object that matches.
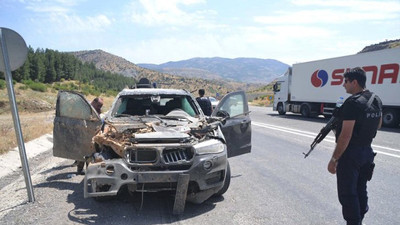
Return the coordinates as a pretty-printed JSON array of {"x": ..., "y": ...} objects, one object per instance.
[
  {"x": 65, "y": 23},
  {"x": 362, "y": 5},
  {"x": 333, "y": 12},
  {"x": 59, "y": 16},
  {"x": 47, "y": 9},
  {"x": 49, "y": 6},
  {"x": 167, "y": 12},
  {"x": 323, "y": 16}
]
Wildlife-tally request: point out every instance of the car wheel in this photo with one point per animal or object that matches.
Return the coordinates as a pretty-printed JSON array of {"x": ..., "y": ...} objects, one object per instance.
[
  {"x": 280, "y": 109},
  {"x": 227, "y": 181},
  {"x": 80, "y": 168}
]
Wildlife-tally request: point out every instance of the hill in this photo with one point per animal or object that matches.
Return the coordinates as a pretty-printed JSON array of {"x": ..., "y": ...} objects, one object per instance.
[
  {"x": 249, "y": 70},
  {"x": 108, "y": 62},
  {"x": 115, "y": 64},
  {"x": 382, "y": 45}
]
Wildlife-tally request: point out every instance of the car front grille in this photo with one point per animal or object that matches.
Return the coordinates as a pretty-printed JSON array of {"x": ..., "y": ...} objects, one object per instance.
[
  {"x": 143, "y": 155},
  {"x": 177, "y": 155},
  {"x": 169, "y": 155}
]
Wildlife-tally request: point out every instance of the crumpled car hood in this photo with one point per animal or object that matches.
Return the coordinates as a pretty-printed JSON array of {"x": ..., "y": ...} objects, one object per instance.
[{"x": 120, "y": 133}]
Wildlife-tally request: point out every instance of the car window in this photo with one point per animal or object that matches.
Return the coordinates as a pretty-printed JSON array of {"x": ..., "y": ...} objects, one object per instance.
[
  {"x": 73, "y": 106},
  {"x": 140, "y": 105},
  {"x": 234, "y": 105}
]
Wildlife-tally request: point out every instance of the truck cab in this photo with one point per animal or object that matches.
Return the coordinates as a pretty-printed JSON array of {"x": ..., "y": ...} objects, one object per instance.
[{"x": 281, "y": 92}]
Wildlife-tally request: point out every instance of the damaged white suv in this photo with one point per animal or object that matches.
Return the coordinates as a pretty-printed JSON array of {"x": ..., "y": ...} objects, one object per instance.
[{"x": 153, "y": 140}]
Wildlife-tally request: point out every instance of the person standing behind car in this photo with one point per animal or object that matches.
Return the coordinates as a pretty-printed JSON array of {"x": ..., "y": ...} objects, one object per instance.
[
  {"x": 97, "y": 103},
  {"x": 204, "y": 103},
  {"x": 359, "y": 118}
]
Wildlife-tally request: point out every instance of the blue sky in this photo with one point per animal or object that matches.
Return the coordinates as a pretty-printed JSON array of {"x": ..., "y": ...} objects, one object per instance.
[{"x": 158, "y": 31}]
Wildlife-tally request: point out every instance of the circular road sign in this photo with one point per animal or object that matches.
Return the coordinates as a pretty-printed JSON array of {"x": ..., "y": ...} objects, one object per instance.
[{"x": 13, "y": 46}]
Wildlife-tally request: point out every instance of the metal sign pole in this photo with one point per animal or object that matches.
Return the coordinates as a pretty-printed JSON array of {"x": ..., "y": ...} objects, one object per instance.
[{"x": 14, "y": 109}]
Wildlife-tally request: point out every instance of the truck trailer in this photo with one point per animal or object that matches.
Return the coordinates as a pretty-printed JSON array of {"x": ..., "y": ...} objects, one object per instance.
[{"x": 313, "y": 88}]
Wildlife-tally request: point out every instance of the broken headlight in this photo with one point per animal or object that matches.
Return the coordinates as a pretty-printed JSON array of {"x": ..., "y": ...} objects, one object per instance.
[{"x": 212, "y": 146}]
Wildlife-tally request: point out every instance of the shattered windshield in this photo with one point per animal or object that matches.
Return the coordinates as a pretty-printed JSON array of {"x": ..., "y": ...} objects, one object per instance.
[{"x": 160, "y": 105}]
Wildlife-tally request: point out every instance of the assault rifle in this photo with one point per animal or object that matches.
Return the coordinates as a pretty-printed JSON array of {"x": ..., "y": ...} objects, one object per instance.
[{"x": 332, "y": 123}]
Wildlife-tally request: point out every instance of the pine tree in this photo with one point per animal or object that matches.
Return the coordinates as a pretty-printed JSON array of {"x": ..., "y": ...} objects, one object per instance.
[{"x": 50, "y": 66}]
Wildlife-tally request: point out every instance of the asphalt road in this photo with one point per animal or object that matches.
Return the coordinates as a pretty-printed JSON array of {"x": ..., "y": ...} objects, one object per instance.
[{"x": 273, "y": 184}]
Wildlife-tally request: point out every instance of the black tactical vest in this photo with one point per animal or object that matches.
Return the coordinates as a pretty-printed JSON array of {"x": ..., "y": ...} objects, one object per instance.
[{"x": 367, "y": 121}]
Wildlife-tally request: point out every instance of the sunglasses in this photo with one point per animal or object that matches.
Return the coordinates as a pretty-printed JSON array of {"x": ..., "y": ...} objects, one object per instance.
[{"x": 347, "y": 81}]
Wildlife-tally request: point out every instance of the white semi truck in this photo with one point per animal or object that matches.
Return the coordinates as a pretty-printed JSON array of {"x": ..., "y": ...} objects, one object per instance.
[{"x": 312, "y": 88}]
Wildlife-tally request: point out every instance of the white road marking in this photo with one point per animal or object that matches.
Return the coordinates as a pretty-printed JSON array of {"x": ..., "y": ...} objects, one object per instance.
[{"x": 328, "y": 138}]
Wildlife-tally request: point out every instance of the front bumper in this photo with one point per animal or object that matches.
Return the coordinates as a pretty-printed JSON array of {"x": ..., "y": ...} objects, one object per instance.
[{"x": 206, "y": 176}]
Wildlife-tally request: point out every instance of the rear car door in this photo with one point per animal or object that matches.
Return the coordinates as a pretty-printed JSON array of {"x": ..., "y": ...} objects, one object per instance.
[
  {"x": 75, "y": 123},
  {"x": 237, "y": 126}
]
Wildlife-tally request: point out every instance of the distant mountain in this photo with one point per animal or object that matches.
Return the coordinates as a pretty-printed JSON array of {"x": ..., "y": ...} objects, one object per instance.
[
  {"x": 109, "y": 62},
  {"x": 249, "y": 70}
]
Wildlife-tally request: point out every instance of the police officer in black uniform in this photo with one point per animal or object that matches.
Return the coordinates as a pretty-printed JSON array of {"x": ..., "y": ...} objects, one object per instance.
[
  {"x": 204, "y": 103},
  {"x": 359, "y": 118}
]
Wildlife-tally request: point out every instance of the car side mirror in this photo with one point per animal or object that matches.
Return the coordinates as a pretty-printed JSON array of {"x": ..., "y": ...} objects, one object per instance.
[{"x": 223, "y": 114}]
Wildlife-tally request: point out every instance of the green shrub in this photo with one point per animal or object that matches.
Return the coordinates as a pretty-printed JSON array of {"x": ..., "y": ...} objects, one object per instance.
[
  {"x": 61, "y": 87},
  {"x": 36, "y": 86},
  {"x": 95, "y": 92},
  {"x": 111, "y": 93},
  {"x": 27, "y": 82},
  {"x": 23, "y": 87},
  {"x": 85, "y": 92},
  {"x": 73, "y": 87},
  {"x": 2, "y": 84}
]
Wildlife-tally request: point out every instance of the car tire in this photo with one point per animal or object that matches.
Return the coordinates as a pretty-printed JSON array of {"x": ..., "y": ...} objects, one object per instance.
[
  {"x": 227, "y": 181},
  {"x": 80, "y": 168}
]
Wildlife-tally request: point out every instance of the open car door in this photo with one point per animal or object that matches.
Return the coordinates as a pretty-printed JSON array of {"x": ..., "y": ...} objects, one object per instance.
[
  {"x": 75, "y": 124},
  {"x": 237, "y": 126}
]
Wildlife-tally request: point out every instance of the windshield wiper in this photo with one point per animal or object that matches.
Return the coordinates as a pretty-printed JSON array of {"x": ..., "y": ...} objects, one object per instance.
[
  {"x": 123, "y": 115},
  {"x": 180, "y": 118}
]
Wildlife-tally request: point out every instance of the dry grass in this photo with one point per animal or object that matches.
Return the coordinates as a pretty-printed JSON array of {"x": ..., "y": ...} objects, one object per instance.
[
  {"x": 33, "y": 125},
  {"x": 34, "y": 122}
]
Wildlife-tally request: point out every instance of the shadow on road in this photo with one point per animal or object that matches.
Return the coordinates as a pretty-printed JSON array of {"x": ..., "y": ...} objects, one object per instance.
[
  {"x": 136, "y": 208},
  {"x": 125, "y": 208}
]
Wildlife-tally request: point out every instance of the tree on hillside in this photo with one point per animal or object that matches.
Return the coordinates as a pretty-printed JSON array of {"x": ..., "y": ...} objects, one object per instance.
[
  {"x": 38, "y": 67},
  {"x": 48, "y": 66},
  {"x": 51, "y": 73}
]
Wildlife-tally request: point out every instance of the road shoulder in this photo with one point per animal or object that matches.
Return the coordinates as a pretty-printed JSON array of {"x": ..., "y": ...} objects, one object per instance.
[{"x": 11, "y": 161}]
